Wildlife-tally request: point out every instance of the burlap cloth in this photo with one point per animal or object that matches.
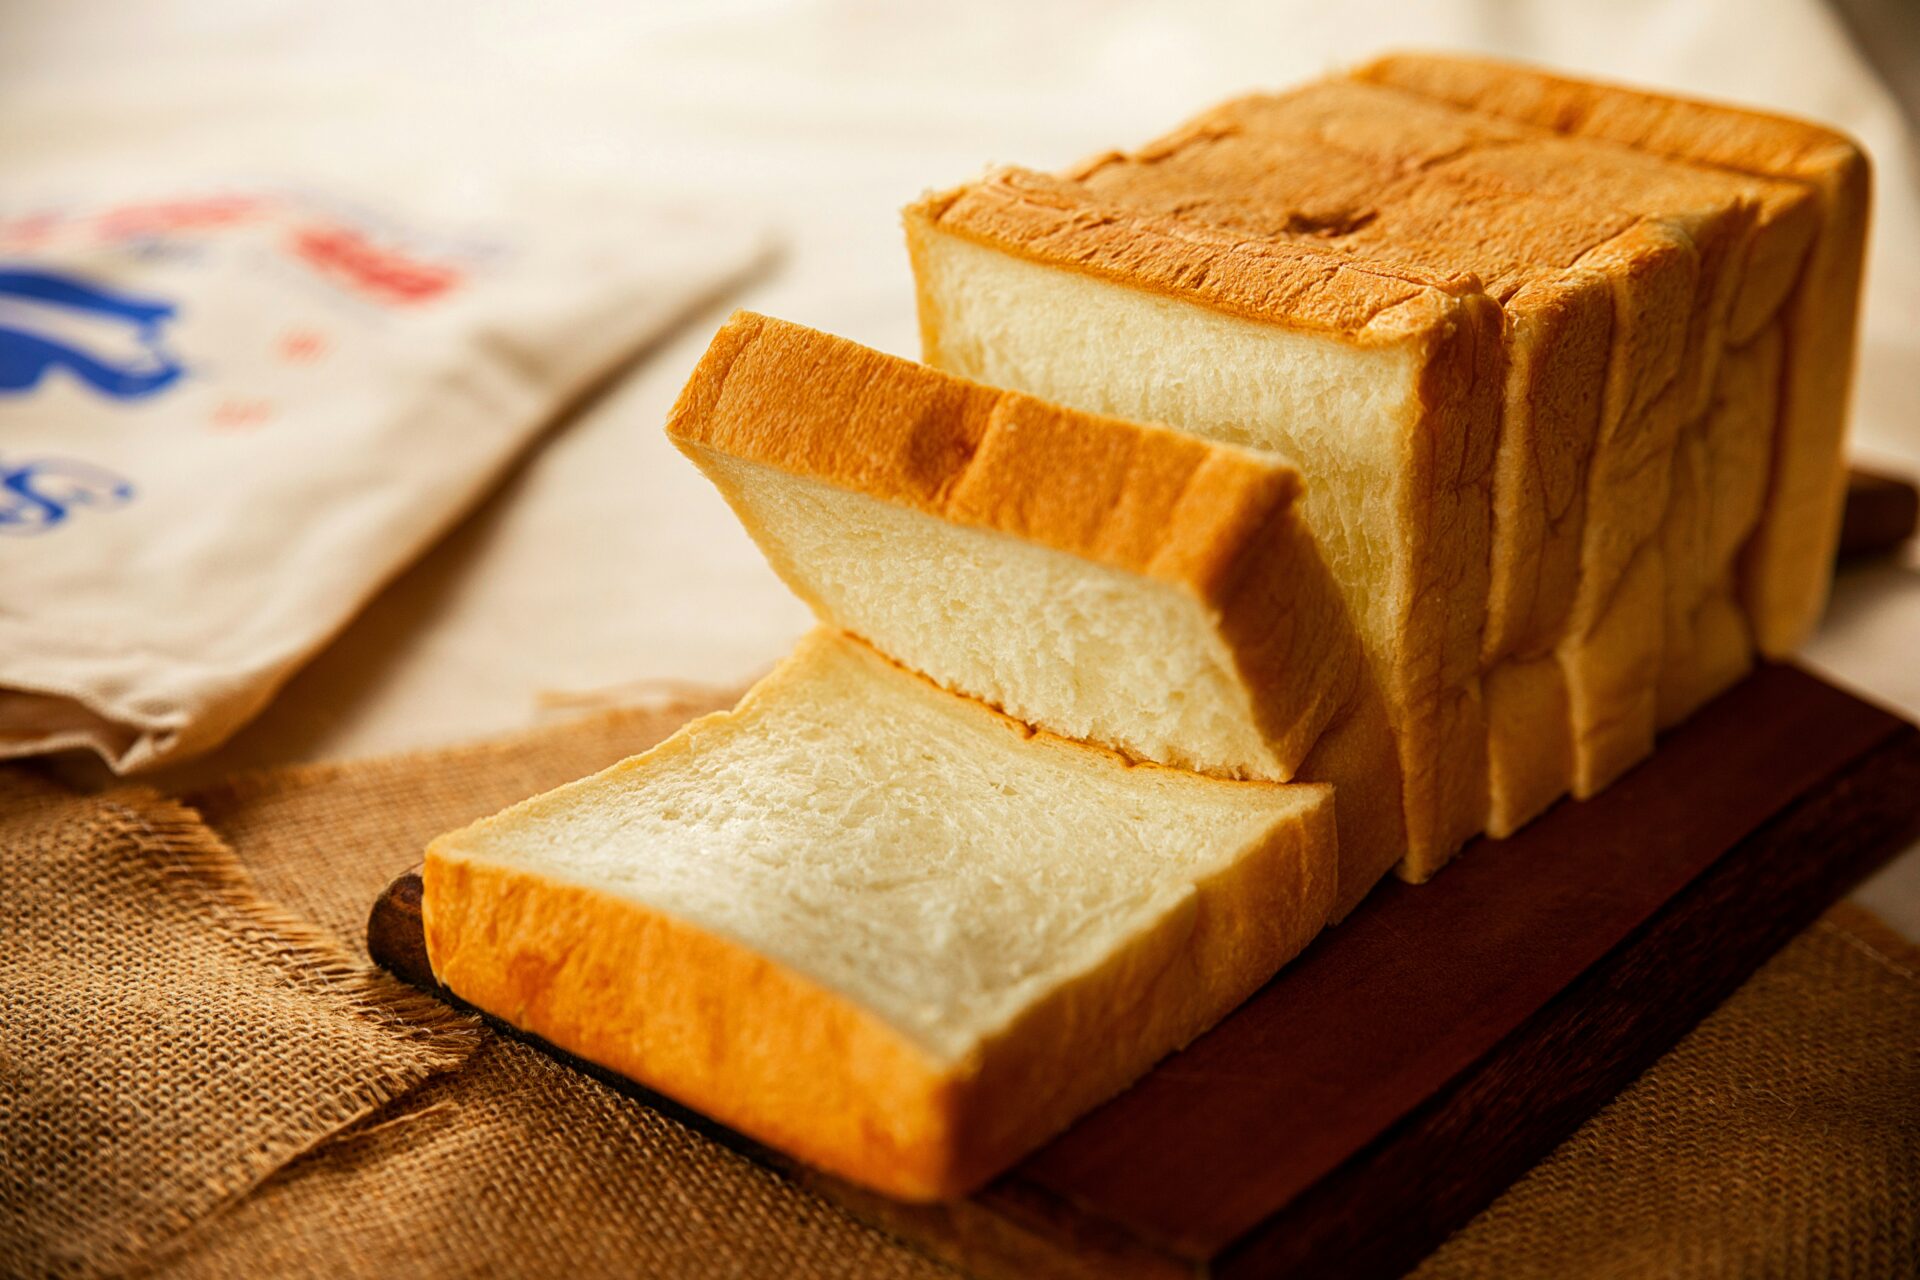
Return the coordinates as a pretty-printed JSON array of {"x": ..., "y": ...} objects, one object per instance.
[
  {"x": 1781, "y": 1139},
  {"x": 168, "y": 1039}
]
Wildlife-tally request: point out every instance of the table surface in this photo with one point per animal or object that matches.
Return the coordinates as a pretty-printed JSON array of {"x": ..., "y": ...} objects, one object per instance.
[{"x": 605, "y": 570}]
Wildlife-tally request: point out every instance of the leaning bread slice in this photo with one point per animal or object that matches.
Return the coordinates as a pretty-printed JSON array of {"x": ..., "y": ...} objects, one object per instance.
[
  {"x": 1382, "y": 382},
  {"x": 876, "y": 925},
  {"x": 1789, "y": 561},
  {"x": 1111, "y": 582}
]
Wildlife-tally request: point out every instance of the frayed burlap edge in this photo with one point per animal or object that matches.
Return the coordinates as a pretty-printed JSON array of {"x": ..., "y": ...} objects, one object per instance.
[{"x": 313, "y": 960}]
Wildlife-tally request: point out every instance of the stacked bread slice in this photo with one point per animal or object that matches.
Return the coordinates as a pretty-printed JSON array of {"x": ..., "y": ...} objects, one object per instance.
[
  {"x": 1662, "y": 276},
  {"x": 1501, "y": 428},
  {"x": 1813, "y": 312}
]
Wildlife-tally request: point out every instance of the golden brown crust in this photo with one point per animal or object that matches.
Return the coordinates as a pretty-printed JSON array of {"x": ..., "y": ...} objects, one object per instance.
[
  {"x": 1683, "y": 128},
  {"x": 1720, "y": 484},
  {"x": 1058, "y": 222},
  {"x": 1383, "y": 176},
  {"x": 1140, "y": 498},
  {"x": 1788, "y": 563},
  {"x": 1560, "y": 338}
]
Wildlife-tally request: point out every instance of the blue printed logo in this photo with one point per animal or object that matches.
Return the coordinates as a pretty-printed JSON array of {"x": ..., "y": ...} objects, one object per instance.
[
  {"x": 111, "y": 341},
  {"x": 35, "y": 496}
]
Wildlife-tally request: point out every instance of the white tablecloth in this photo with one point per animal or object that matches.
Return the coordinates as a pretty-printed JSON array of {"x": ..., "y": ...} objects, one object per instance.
[{"x": 606, "y": 567}]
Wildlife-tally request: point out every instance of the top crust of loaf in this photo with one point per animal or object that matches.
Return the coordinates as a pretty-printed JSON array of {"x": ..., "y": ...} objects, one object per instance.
[
  {"x": 1375, "y": 170},
  {"x": 1788, "y": 161},
  {"x": 1713, "y": 133},
  {"x": 1139, "y": 498},
  {"x": 1060, "y": 222}
]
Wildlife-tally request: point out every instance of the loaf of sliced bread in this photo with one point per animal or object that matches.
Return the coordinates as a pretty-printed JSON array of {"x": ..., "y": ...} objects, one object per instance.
[
  {"x": 1119, "y": 584},
  {"x": 878, "y": 926},
  {"x": 1381, "y": 382},
  {"x": 1623, "y": 275}
]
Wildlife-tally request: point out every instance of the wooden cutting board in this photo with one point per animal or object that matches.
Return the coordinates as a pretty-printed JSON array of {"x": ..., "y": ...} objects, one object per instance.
[{"x": 1419, "y": 1057}]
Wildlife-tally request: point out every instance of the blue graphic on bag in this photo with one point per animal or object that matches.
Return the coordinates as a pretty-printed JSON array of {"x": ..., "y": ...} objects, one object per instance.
[
  {"x": 33, "y": 341},
  {"x": 38, "y": 495}
]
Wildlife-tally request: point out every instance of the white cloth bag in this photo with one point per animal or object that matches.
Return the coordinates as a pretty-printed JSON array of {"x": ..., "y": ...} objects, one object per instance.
[{"x": 227, "y": 418}]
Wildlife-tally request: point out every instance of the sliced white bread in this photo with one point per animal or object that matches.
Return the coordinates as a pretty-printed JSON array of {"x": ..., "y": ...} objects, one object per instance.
[
  {"x": 878, "y": 926},
  {"x": 1788, "y": 562},
  {"x": 1382, "y": 383},
  {"x": 1604, "y": 258},
  {"x": 1114, "y": 583}
]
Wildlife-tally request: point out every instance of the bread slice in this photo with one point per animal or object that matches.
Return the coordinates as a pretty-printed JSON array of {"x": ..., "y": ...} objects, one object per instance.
[
  {"x": 875, "y": 925},
  {"x": 1789, "y": 561},
  {"x": 1719, "y": 490},
  {"x": 1114, "y": 583},
  {"x": 1381, "y": 382}
]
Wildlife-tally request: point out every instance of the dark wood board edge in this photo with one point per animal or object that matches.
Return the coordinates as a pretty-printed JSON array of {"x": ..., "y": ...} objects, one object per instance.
[{"x": 1454, "y": 1155}]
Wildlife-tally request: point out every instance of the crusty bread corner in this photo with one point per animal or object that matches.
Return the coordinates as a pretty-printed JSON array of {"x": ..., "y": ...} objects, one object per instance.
[
  {"x": 561, "y": 961},
  {"x": 1140, "y": 498},
  {"x": 787, "y": 1062}
]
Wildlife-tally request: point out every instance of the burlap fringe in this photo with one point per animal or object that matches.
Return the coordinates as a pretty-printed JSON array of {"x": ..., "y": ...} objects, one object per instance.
[{"x": 311, "y": 956}]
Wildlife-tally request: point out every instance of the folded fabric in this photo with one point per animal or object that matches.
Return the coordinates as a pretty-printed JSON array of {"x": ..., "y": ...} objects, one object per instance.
[
  {"x": 168, "y": 1038},
  {"x": 227, "y": 418}
]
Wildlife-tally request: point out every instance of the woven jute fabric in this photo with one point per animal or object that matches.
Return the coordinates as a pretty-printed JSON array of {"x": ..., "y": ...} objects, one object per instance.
[
  {"x": 514, "y": 1165},
  {"x": 168, "y": 1038},
  {"x": 1780, "y": 1138}
]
